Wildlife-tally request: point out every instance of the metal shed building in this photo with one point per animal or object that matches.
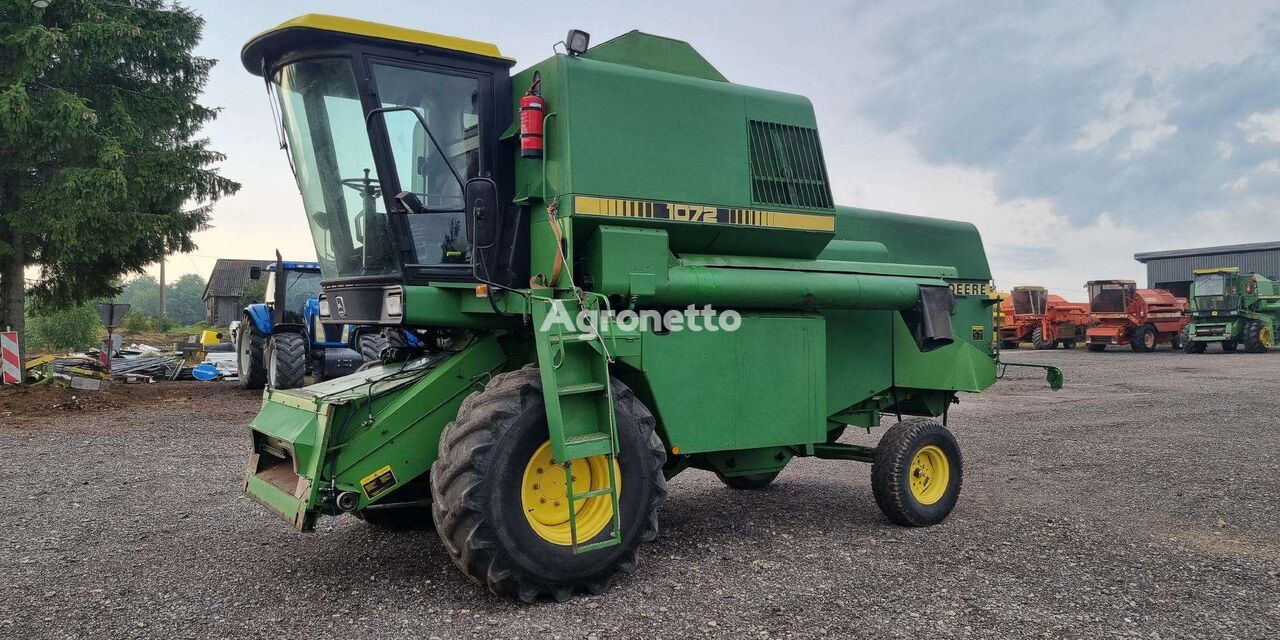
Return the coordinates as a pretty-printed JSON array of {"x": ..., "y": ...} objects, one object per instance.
[{"x": 1171, "y": 270}]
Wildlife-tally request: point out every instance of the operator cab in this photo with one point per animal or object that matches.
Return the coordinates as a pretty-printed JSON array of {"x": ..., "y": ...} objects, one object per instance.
[
  {"x": 383, "y": 127},
  {"x": 1029, "y": 300},
  {"x": 1215, "y": 290},
  {"x": 1111, "y": 296}
]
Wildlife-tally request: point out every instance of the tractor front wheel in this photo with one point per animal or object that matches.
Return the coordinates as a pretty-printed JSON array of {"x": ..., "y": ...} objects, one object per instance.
[
  {"x": 371, "y": 346},
  {"x": 917, "y": 472},
  {"x": 498, "y": 499},
  {"x": 249, "y": 355},
  {"x": 1257, "y": 337},
  {"x": 287, "y": 360},
  {"x": 1039, "y": 341},
  {"x": 749, "y": 482}
]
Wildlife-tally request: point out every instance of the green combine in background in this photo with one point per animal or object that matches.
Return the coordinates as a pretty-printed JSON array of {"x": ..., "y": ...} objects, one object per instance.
[
  {"x": 1233, "y": 310},
  {"x": 741, "y": 318}
]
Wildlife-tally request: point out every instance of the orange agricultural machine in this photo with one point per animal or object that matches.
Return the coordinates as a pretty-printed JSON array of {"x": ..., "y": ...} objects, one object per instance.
[
  {"x": 1141, "y": 318},
  {"x": 1032, "y": 314}
]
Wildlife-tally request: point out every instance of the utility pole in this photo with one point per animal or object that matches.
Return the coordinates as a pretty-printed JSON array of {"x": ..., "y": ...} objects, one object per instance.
[{"x": 162, "y": 257}]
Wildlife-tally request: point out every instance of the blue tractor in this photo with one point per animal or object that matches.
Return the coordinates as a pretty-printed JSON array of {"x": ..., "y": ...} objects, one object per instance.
[{"x": 281, "y": 340}]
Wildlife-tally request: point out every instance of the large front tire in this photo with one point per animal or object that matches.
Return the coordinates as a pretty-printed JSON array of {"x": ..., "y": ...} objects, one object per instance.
[
  {"x": 1257, "y": 337},
  {"x": 249, "y": 355},
  {"x": 917, "y": 472},
  {"x": 479, "y": 484},
  {"x": 287, "y": 360},
  {"x": 1038, "y": 340}
]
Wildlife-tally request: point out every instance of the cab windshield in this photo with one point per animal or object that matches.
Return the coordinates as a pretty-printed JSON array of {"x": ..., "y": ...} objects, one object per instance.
[
  {"x": 1109, "y": 297},
  {"x": 450, "y": 106},
  {"x": 323, "y": 122},
  {"x": 299, "y": 286},
  {"x": 345, "y": 197},
  {"x": 1211, "y": 291},
  {"x": 1028, "y": 301}
]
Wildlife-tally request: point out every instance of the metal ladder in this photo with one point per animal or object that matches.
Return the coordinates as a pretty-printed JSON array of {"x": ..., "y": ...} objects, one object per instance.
[{"x": 574, "y": 366}]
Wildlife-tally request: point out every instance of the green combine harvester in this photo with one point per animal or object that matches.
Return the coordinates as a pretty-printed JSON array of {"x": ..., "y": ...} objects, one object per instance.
[
  {"x": 738, "y": 318},
  {"x": 1233, "y": 310}
]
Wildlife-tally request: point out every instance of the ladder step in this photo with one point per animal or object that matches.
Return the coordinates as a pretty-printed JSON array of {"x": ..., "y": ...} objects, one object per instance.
[
  {"x": 585, "y": 446},
  {"x": 614, "y": 540},
  {"x": 593, "y": 494},
  {"x": 570, "y": 337},
  {"x": 586, "y": 387}
]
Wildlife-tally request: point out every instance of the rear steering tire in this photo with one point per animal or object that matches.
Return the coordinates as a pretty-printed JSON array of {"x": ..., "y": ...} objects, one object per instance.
[
  {"x": 480, "y": 484},
  {"x": 749, "y": 482},
  {"x": 286, "y": 360},
  {"x": 1229, "y": 345},
  {"x": 917, "y": 472},
  {"x": 1097, "y": 348}
]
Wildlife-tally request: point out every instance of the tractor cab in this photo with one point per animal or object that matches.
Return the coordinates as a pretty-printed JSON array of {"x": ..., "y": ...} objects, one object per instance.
[
  {"x": 1111, "y": 296},
  {"x": 1029, "y": 300},
  {"x": 1216, "y": 291},
  {"x": 384, "y": 126},
  {"x": 288, "y": 288}
]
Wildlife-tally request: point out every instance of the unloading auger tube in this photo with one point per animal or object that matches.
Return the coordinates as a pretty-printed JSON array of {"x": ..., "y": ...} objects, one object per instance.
[{"x": 540, "y": 451}]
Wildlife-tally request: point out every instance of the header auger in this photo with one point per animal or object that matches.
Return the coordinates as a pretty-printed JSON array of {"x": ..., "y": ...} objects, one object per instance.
[{"x": 741, "y": 318}]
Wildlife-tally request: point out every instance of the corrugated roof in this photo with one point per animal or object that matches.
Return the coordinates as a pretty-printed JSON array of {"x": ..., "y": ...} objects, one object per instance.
[
  {"x": 1207, "y": 251},
  {"x": 230, "y": 275}
]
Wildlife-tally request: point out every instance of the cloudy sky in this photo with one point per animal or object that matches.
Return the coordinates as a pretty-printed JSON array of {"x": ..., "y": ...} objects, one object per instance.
[{"x": 1073, "y": 134}]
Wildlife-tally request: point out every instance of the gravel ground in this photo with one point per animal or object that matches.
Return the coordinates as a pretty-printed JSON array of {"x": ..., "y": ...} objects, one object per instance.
[{"x": 1138, "y": 502}]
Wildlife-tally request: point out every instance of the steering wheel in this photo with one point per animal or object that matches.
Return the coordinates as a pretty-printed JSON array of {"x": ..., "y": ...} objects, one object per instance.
[{"x": 366, "y": 185}]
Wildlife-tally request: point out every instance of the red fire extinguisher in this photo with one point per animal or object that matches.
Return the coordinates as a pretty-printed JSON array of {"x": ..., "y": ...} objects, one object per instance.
[{"x": 532, "y": 110}]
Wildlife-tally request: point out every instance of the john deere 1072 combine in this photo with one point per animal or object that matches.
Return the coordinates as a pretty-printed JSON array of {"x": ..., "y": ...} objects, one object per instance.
[
  {"x": 483, "y": 211},
  {"x": 1232, "y": 309}
]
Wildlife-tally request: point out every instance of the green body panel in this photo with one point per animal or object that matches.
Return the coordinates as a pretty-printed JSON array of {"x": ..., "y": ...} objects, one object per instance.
[
  {"x": 764, "y": 384},
  {"x": 657, "y": 53}
]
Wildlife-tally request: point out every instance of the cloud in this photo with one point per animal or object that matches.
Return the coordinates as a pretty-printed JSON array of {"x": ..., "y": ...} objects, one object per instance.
[{"x": 1076, "y": 105}]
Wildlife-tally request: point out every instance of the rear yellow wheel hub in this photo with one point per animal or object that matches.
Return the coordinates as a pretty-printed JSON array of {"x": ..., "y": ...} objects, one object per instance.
[
  {"x": 1265, "y": 337},
  {"x": 930, "y": 474},
  {"x": 544, "y": 496}
]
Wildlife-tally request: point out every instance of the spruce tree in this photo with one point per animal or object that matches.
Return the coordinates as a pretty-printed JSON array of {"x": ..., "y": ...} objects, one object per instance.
[{"x": 102, "y": 170}]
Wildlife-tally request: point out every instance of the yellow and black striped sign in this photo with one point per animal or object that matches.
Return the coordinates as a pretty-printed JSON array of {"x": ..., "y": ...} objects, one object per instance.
[{"x": 707, "y": 214}]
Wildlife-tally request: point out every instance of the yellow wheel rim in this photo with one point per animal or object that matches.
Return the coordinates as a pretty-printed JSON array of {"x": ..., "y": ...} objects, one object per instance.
[
  {"x": 544, "y": 491},
  {"x": 930, "y": 474},
  {"x": 1265, "y": 337},
  {"x": 1149, "y": 340}
]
